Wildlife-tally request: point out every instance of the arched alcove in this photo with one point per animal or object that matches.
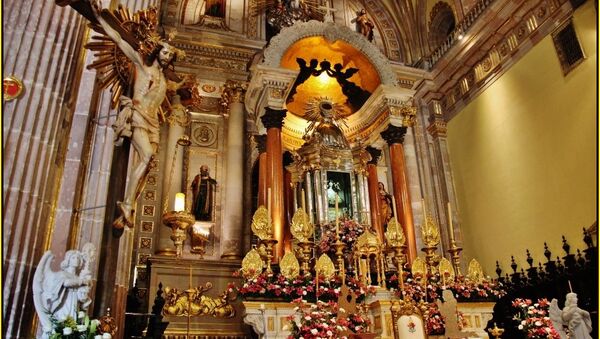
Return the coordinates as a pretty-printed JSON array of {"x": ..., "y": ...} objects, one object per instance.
[{"x": 442, "y": 23}]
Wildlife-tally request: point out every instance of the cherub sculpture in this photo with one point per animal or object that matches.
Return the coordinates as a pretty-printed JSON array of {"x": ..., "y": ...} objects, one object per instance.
[
  {"x": 63, "y": 293},
  {"x": 576, "y": 320}
]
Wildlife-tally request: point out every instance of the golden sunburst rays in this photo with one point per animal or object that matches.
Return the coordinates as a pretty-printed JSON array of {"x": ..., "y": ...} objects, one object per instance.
[
  {"x": 113, "y": 67},
  {"x": 318, "y": 108}
]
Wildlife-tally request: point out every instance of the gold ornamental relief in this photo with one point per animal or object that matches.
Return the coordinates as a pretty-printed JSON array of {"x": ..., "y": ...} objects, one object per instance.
[
  {"x": 446, "y": 269},
  {"x": 419, "y": 267},
  {"x": 290, "y": 268},
  {"x": 252, "y": 265},
  {"x": 475, "y": 273},
  {"x": 325, "y": 267},
  {"x": 394, "y": 234},
  {"x": 261, "y": 223},
  {"x": 301, "y": 228},
  {"x": 430, "y": 232}
]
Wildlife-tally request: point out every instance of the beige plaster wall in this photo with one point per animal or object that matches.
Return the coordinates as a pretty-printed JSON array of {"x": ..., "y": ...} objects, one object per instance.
[{"x": 523, "y": 154}]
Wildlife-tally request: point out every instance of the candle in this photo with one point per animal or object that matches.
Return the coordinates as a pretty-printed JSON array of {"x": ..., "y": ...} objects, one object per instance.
[
  {"x": 304, "y": 201},
  {"x": 395, "y": 208},
  {"x": 269, "y": 200},
  {"x": 424, "y": 210},
  {"x": 450, "y": 223},
  {"x": 179, "y": 202},
  {"x": 337, "y": 221}
]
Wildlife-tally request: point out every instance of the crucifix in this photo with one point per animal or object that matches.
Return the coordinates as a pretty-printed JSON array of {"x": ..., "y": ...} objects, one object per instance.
[{"x": 328, "y": 16}]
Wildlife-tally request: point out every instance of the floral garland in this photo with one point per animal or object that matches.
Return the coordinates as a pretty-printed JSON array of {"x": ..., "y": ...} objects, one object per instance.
[
  {"x": 279, "y": 287},
  {"x": 321, "y": 320},
  {"x": 534, "y": 319}
]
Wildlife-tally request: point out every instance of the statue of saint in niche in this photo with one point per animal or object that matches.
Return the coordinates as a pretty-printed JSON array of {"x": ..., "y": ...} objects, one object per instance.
[
  {"x": 203, "y": 194},
  {"x": 387, "y": 210}
]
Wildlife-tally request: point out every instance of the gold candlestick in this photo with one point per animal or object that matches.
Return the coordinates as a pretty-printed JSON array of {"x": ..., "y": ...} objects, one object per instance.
[
  {"x": 269, "y": 243},
  {"x": 178, "y": 221},
  {"x": 455, "y": 255},
  {"x": 339, "y": 251},
  {"x": 306, "y": 247}
]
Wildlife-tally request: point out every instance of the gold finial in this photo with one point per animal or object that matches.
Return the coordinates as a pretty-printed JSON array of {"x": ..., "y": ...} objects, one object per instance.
[
  {"x": 419, "y": 267},
  {"x": 325, "y": 267},
  {"x": 446, "y": 270},
  {"x": 261, "y": 223},
  {"x": 430, "y": 232}
]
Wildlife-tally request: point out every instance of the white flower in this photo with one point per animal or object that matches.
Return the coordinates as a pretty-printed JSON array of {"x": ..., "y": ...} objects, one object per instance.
[
  {"x": 80, "y": 315},
  {"x": 520, "y": 327},
  {"x": 81, "y": 328},
  {"x": 95, "y": 322},
  {"x": 538, "y": 323},
  {"x": 106, "y": 336},
  {"x": 99, "y": 336},
  {"x": 531, "y": 307},
  {"x": 329, "y": 333},
  {"x": 523, "y": 322},
  {"x": 314, "y": 331},
  {"x": 67, "y": 331},
  {"x": 307, "y": 317},
  {"x": 342, "y": 310},
  {"x": 303, "y": 292}
]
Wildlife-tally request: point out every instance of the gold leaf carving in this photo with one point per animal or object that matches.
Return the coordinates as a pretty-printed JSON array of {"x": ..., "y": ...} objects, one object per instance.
[
  {"x": 252, "y": 264},
  {"x": 290, "y": 268},
  {"x": 475, "y": 273},
  {"x": 261, "y": 223},
  {"x": 446, "y": 269},
  {"x": 325, "y": 266},
  {"x": 419, "y": 267},
  {"x": 430, "y": 232},
  {"x": 394, "y": 234},
  {"x": 301, "y": 227}
]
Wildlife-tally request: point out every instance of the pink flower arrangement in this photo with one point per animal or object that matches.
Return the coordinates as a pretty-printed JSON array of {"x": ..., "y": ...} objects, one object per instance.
[
  {"x": 534, "y": 319},
  {"x": 277, "y": 286},
  {"x": 321, "y": 320},
  {"x": 435, "y": 322},
  {"x": 464, "y": 289},
  {"x": 349, "y": 230}
]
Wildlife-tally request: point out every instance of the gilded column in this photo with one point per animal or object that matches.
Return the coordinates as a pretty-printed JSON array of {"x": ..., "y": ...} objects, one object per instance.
[
  {"x": 261, "y": 145},
  {"x": 394, "y": 136},
  {"x": 231, "y": 232},
  {"x": 373, "y": 183},
  {"x": 273, "y": 122}
]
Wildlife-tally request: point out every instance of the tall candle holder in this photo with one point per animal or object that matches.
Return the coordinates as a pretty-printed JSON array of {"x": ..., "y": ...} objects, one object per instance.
[
  {"x": 455, "y": 256},
  {"x": 339, "y": 252},
  {"x": 302, "y": 230},
  {"x": 178, "y": 221},
  {"x": 306, "y": 250},
  {"x": 269, "y": 243},
  {"x": 431, "y": 238}
]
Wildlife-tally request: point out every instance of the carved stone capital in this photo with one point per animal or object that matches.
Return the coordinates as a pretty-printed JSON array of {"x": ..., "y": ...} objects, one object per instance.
[
  {"x": 273, "y": 118},
  {"x": 394, "y": 134},
  {"x": 375, "y": 155},
  {"x": 437, "y": 127},
  {"x": 233, "y": 91},
  {"x": 261, "y": 143}
]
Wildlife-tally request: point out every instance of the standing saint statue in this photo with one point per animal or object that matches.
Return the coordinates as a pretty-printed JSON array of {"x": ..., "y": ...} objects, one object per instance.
[
  {"x": 387, "y": 210},
  {"x": 364, "y": 25},
  {"x": 203, "y": 194},
  {"x": 138, "y": 119}
]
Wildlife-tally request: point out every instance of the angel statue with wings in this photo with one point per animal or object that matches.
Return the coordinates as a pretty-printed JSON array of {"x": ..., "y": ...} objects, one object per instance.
[
  {"x": 576, "y": 320},
  {"x": 62, "y": 294},
  {"x": 143, "y": 59}
]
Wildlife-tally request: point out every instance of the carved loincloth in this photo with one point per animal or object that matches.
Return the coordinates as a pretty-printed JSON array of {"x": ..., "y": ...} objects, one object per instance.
[{"x": 131, "y": 117}]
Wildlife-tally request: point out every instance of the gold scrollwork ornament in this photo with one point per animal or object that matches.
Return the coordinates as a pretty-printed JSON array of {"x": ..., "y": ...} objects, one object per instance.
[
  {"x": 419, "y": 267},
  {"x": 261, "y": 223},
  {"x": 446, "y": 269},
  {"x": 290, "y": 268},
  {"x": 252, "y": 265},
  {"x": 430, "y": 232}
]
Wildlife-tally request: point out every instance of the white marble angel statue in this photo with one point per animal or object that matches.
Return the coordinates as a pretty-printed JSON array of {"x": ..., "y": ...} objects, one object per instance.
[
  {"x": 577, "y": 321},
  {"x": 63, "y": 293}
]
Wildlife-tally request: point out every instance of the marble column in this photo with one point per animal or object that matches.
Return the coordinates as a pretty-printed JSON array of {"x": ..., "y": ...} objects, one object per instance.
[
  {"x": 273, "y": 122},
  {"x": 261, "y": 145},
  {"x": 173, "y": 171},
  {"x": 42, "y": 47},
  {"x": 394, "y": 136},
  {"x": 373, "y": 185},
  {"x": 231, "y": 232}
]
